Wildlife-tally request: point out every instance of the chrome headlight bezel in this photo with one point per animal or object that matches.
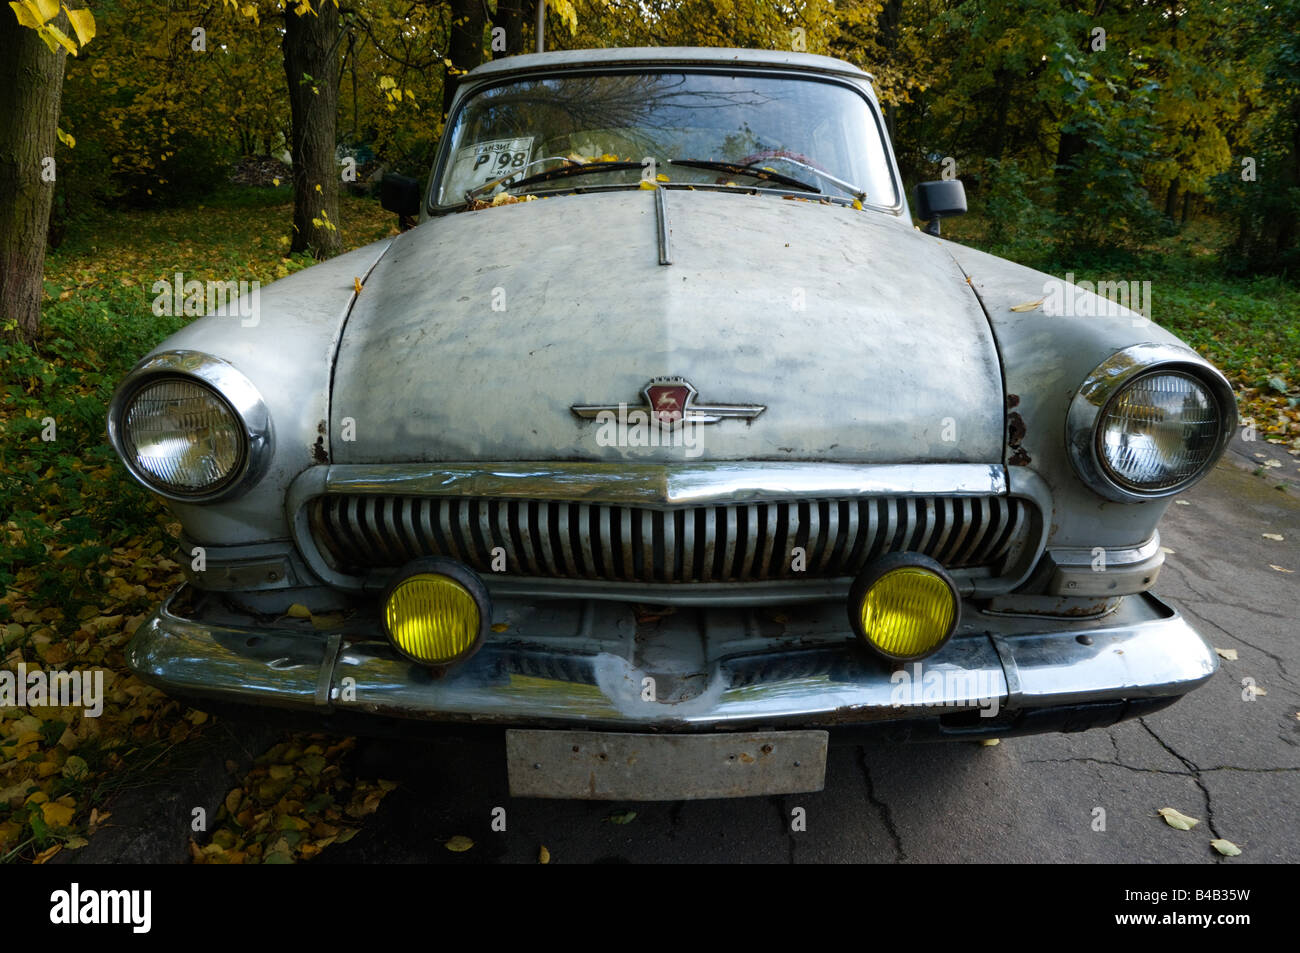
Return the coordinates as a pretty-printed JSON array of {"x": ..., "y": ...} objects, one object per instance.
[
  {"x": 229, "y": 385},
  {"x": 1112, "y": 376}
]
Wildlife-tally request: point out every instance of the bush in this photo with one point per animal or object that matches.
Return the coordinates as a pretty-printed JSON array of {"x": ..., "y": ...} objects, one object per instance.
[
  {"x": 1017, "y": 216},
  {"x": 192, "y": 170}
]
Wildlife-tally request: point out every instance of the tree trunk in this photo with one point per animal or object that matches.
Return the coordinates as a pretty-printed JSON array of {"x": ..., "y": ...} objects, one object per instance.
[
  {"x": 1171, "y": 200},
  {"x": 465, "y": 46},
  {"x": 888, "y": 24},
  {"x": 1067, "y": 150},
  {"x": 32, "y": 78},
  {"x": 311, "y": 65}
]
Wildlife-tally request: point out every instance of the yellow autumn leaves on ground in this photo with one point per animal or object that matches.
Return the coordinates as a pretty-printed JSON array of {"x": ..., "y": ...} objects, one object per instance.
[
  {"x": 1181, "y": 822},
  {"x": 296, "y": 801}
]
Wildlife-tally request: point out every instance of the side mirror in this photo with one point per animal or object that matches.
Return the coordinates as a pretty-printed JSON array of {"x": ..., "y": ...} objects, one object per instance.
[
  {"x": 935, "y": 200},
  {"x": 401, "y": 194}
]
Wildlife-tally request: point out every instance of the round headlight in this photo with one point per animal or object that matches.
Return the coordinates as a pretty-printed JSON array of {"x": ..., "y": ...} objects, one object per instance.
[
  {"x": 1159, "y": 432},
  {"x": 182, "y": 438},
  {"x": 1148, "y": 422}
]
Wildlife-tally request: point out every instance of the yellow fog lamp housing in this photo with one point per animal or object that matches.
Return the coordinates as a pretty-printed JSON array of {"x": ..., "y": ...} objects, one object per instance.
[
  {"x": 436, "y": 612},
  {"x": 904, "y": 606}
]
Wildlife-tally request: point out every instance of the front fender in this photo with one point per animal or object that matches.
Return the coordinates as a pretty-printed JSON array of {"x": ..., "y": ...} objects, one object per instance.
[
  {"x": 286, "y": 348},
  {"x": 1045, "y": 359}
]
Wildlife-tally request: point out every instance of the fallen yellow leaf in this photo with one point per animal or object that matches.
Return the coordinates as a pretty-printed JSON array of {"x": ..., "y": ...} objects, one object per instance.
[
  {"x": 56, "y": 814},
  {"x": 1225, "y": 847},
  {"x": 459, "y": 844},
  {"x": 1029, "y": 305},
  {"x": 543, "y": 855},
  {"x": 1177, "y": 820}
]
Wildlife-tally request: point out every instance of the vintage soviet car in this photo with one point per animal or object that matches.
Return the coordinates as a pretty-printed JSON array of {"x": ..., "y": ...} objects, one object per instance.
[{"x": 666, "y": 442}]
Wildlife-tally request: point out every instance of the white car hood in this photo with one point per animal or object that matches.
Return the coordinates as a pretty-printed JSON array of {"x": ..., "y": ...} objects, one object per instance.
[{"x": 478, "y": 332}]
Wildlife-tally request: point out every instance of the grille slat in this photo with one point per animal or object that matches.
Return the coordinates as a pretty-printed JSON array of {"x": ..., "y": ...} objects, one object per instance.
[
  {"x": 830, "y": 537},
  {"x": 709, "y": 516},
  {"x": 728, "y": 544},
  {"x": 713, "y": 543}
]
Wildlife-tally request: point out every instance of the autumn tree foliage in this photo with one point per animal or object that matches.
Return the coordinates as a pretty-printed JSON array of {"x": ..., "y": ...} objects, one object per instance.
[{"x": 1105, "y": 121}]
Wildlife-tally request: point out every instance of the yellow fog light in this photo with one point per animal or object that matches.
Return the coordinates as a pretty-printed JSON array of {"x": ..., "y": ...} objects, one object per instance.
[
  {"x": 904, "y": 606},
  {"x": 436, "y": 612}
]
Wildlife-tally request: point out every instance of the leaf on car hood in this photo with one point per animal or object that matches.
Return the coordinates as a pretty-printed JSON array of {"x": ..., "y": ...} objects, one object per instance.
[{"x": 1029, "y": 305}]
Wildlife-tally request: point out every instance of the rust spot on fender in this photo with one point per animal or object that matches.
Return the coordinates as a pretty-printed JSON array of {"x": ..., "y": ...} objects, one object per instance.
[
  {"x": 1015, "y": 434},
  {"x": 1013, "y": 400},
  {"x": 318, "y": 451},
  {"x": 1015, "y": 429}
]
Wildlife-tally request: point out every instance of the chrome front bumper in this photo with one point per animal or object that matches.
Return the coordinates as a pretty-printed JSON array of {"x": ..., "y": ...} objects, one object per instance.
[{"x": 587, "y": 664}]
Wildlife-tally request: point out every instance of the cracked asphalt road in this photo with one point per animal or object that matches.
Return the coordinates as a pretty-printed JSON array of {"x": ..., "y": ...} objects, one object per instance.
[{"x": 1235, "y": 764}]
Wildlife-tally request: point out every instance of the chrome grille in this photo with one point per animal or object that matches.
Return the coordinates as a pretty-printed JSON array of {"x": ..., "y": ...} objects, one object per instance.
[{"x": 722, "y": 543}]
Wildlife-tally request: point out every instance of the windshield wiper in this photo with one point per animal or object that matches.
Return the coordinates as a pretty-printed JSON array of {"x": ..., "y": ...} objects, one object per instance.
[
  {"x": 849, "y": 187},
  {"x": 576, "y": 168},
  {"x": 766, "y": 175}
]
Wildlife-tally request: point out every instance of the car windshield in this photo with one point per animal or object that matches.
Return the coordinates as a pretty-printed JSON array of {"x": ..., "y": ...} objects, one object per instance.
[{"x": 821, "y": 134}]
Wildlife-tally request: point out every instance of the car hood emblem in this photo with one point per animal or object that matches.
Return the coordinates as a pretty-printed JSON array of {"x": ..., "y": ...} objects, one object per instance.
[{"x": 671, "y": 401}]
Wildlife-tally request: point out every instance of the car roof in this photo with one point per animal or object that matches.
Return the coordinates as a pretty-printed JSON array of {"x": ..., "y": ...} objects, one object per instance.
[{"x": 668, "y": 55}]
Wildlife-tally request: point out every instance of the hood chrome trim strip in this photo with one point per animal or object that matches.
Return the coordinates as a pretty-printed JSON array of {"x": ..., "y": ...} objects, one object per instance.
[
  {"x": 661, "y": 223},
  {"x": 652, "y": 484}
]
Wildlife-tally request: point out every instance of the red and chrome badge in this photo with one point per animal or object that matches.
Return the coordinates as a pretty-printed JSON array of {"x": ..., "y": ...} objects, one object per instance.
[{"x": 670, "y": 401}]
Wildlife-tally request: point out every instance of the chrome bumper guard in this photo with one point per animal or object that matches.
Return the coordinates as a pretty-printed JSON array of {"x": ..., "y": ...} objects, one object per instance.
[{"x": 597, "y": 667}]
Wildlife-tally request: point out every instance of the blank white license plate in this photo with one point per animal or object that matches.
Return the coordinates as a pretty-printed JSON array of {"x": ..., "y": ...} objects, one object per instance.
[{"x": 613, "y": 766}]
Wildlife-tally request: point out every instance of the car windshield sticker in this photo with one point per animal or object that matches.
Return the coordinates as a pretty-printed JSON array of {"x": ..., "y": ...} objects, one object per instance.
[{"x": 486, "y": 161}]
